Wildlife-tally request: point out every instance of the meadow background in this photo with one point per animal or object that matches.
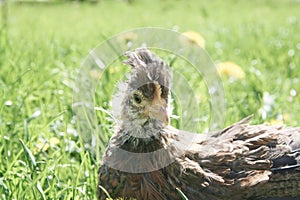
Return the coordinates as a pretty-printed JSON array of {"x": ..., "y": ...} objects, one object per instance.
[{"x": 42, "y": 46}]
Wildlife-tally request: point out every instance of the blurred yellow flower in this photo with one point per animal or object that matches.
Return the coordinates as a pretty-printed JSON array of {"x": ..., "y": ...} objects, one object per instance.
[
  {"x": 280, "y": 120},
  {"x": 41, "y": 146},
  {"x": 95, "y": 74},
  {"x": 127, "y": 37},
  {"x": 115, "y": 69},
  {"x": 54, "y": 141},
  {"x": 276, "y": 122},
  {"x": 231, "y": 69},
  {"x": 195, "y": 38},
  {"x": 44, "y": 145}
]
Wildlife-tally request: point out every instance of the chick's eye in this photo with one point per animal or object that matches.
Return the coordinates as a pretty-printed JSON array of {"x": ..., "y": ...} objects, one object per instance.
[{"x": 137, "y": 98}]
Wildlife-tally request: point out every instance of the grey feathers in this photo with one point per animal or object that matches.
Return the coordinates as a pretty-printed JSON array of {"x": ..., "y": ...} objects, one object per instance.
[{"x": 147, "y": 68}]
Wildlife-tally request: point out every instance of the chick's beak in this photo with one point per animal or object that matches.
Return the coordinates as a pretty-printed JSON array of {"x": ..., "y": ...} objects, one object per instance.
[
  {"x": 157, "y": 108},
  {"x": 159, "y": 112}
]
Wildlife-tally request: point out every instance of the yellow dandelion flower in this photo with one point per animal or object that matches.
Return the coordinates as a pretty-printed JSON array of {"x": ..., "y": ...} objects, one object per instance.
[
  {"x": 280, "y": 120},
  {"x": 113, "y": 70},
  {"x": 95, "y": 74},
  {"x": 44, "y": 145},
  {"x": 41, "y": 146},
  {"x": 286, "y": 117},
  {"x": 231, "y": 69},
  {"x": 194, "y": 38},
  {"x": 276, "y": 122},
  {"x": 54, "y": 141},
  {"x": 127, "y": 37}
]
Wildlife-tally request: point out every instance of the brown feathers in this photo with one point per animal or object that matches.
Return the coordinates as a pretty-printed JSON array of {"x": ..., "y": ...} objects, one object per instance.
[{"x": 147, "y": 159}]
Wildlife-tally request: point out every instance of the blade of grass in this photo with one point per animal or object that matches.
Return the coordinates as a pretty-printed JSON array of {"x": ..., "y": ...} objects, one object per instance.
[
  {"x": 105, "y": 191},
  {"x": 30, "y": 155},
  {"x": 182, "y": 195},
  {"x": 40, "y": 189}
]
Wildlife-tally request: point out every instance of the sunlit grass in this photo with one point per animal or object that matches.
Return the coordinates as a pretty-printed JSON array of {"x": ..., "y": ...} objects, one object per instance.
[{"x": 41, "y": 154}]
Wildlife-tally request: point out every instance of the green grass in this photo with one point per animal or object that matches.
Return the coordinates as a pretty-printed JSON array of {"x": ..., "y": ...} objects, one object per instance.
[{"x": 45, "y": 44}]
